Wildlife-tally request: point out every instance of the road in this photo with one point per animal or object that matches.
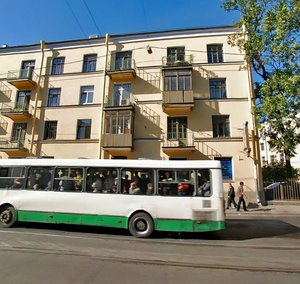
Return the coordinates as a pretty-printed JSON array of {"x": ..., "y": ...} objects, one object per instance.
[{"x": 250, "y": 250}]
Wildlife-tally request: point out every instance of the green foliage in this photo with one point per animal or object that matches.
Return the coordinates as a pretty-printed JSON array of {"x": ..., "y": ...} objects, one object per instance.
[
  {"x": 277, "y": 172},
  {"x": 269, "y": 37}
]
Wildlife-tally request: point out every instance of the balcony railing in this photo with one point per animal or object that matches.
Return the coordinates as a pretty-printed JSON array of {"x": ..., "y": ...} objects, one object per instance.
[
  {"x": 7, "y": 144},
  {"x": 178, "y": 140},
  {"x": 111, "y": 102},
  {"x": 22, "y": 79},
  {"x": 182, "y": 60},
  {"x": 122, "y": 69},
  {"x": 5, "y": 91},
  {"x": 16, "y": 111}
]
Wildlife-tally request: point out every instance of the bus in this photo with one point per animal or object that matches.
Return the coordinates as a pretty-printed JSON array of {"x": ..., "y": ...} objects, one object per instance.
[{"x": 141, "y": 196}]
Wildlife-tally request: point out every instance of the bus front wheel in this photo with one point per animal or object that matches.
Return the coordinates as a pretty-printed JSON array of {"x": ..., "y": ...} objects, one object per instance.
[
  {"x": 141, "y": 225},
  {"x": 8, "y": 216}
]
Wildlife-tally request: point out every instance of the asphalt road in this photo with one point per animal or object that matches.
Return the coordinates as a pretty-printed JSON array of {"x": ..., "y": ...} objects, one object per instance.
[{"x": 257, "y": 249}]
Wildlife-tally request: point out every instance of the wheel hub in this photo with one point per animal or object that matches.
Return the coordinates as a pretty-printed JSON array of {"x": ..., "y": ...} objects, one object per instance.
[
  {"x": 5, "y": 216},
  {"x": 141, "y": 225}
]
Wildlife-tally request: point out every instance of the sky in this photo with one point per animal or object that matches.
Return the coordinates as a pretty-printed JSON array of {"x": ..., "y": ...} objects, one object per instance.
[{"x": 25, "y": 22}]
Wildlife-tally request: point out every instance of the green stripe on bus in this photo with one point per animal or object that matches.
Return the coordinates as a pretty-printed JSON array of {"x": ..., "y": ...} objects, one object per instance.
[
  {"x": 175, "y": 225},
  {"x": 75, "y": 219},
  {"x": 188, "y": 225}
]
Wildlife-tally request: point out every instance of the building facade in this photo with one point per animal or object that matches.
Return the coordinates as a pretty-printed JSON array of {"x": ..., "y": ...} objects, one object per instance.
[{"x": 183, "y": 94}]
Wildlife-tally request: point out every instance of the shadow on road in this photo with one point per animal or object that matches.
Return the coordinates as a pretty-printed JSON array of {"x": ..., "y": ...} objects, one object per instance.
[{"x": 244, "y": 229}]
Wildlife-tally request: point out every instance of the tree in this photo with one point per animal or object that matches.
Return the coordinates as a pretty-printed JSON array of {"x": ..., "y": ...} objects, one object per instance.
[{"x": 270, "y": 39}]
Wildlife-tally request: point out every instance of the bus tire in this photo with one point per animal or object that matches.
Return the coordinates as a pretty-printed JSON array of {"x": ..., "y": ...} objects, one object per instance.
[
  {"x": 141, "y": 225},
  {"x": 8, "y": 216}
]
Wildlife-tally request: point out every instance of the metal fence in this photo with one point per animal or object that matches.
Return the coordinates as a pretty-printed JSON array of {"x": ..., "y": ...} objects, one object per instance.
[{"x": 283, "y": 190}]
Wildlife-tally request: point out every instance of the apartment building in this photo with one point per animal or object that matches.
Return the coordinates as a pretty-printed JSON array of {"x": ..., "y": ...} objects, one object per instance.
[{"x": 180, "y": 94}]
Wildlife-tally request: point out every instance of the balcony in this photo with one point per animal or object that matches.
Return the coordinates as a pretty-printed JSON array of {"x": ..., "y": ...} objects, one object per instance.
[
  {"x": 121, "y": 70},
  {"x": 174, "y": 145},
  {"x": 118, "y": 144},
  {"x": 119, "y": 104},
  {"x": 22, "y": 79},
  {"x": 16, "y": 112},
  {"x": 171, "y": 61},
  {"x": 13, "y": 148},
  {"x": 178, "y": 102}
]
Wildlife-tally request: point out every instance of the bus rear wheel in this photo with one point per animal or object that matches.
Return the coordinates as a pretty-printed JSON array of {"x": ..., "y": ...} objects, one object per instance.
[
  {"x": 8, "y": 216},
  {"x": 141, "y": 225}
]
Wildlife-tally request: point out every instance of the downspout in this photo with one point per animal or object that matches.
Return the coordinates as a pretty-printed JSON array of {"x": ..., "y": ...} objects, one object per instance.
[
  {"x": 255, "y": 142},
  {"x": 101, "y": 152},
  {"x": 36, "y": 98}
]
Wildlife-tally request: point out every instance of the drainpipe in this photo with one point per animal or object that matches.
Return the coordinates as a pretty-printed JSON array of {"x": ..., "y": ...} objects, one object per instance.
[
  {"x": 255, "y": 142},
  {"x": 34, "y": 114},
  {"x": 101, "y": 152}
]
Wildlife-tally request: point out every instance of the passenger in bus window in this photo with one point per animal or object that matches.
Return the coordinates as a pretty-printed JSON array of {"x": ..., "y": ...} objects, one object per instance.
[
  {"x": 125, "y": 183},
  {"x": 204, "y": 182},
  {"x": 113, "y": 189},
  {"x": 183, "y": 175},
  {"x": 150, "y": 189},
  {"x": 17, "y": 184},
  {"x": 67, "y": 184},
  {"x": 134, "y": 189},
  {"x": 97, "y": 185},
  {"x": 167, "y": 176},
  {"x": 78, "y": 180},
  {"x": 183, "y": 189}
]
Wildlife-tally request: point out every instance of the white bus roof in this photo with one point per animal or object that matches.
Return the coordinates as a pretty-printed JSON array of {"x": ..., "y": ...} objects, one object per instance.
[{"x": 176, "y": 164}]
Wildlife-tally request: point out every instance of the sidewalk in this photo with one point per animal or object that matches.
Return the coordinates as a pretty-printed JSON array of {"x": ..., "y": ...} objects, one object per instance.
[{"x": 273, "y": 208}]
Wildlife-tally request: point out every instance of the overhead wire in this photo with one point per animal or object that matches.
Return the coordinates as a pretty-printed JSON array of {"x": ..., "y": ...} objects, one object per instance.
[{"x": 92, "y": 17}]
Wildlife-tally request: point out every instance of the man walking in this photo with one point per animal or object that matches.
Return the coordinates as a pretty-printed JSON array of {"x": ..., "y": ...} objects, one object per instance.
[
  {"x": 240, "y": 194},
  {"x": 231, "y": 196}
]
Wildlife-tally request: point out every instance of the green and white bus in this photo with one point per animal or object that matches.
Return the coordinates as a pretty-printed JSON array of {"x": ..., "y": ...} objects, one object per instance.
[{"x": 138, "y": 195}]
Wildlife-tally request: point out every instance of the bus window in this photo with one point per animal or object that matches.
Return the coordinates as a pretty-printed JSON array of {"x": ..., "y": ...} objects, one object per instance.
[
  {"x": 39, "y": 178},
  {"x": 100, "y": 180},
  {"x": 68, "y": 179},
  {"x": 137, "y": 181},
  {"x": 176, "y": 183},
  {"x": 12, "y": 177},
  {"x": 204, "y": 188}
]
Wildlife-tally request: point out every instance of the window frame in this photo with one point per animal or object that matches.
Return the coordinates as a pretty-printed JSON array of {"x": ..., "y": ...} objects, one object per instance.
[
  {"x": 58, "y": 67},
  {"x": 221, "y": 128},
  {"x": 215, "y": 53},
  {"x": 217, "y": 88},
  {"x": 172, "y": 79},
  {"x": 227, "y": 172},
  {"x": 50, "y": 129},
  {"x": 85, "y": 127},
  {"x": 88, "y": 91},
  {"x": 52, "y": 102},
  {"x": 89, "y": 63}
]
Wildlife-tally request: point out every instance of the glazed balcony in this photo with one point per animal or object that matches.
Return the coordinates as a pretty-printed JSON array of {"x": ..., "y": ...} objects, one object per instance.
[
  {"x": 117, "y": 144},
  {"x": 22, "y": 79},
  {"x": 178, "y": 102},
  {"x": 16, "y": 112},
  {"x": 121, "y": 70}
]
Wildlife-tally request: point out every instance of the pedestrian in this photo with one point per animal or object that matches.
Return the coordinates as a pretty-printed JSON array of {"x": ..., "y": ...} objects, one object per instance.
[
  {"x": 231, "y": 196},
  {"x": 241, "y": 194}
]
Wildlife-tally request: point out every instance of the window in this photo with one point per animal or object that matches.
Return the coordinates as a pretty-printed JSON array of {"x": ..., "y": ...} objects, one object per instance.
[
  {"x": 22, "y": 102},
  {"x": 19, "y": 132},
  {"x": 89, "y": 63},
  {"x": 39, "y": 178},
  {"x": 86, "y": 95},
  {"x": 68, "y": 179},
  {"x": 54, "y": 97},
  {"x": 27, "y": 69},
  {"x": 217, "y": 88},
  {"x": 58, "y": 66},
  {"x": 122, "y": 94},
  {"x": 215, "y": 53},
  {"x": 175, "y": 54},
  {"x": 118, "y": 122},
  {"x": 220, "y": 125},
  {"x": 177, "y": 128},
  {"x": 50, "y": 130},
  {"x": 178, "y": 80},
  {"x": 123, "y": 60},
  {"x": 262, "y": 146},
  {"x": 226, "y": 164},
  {"x": 12, "y": 177},
  {"x": 84, "y": 129}
]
